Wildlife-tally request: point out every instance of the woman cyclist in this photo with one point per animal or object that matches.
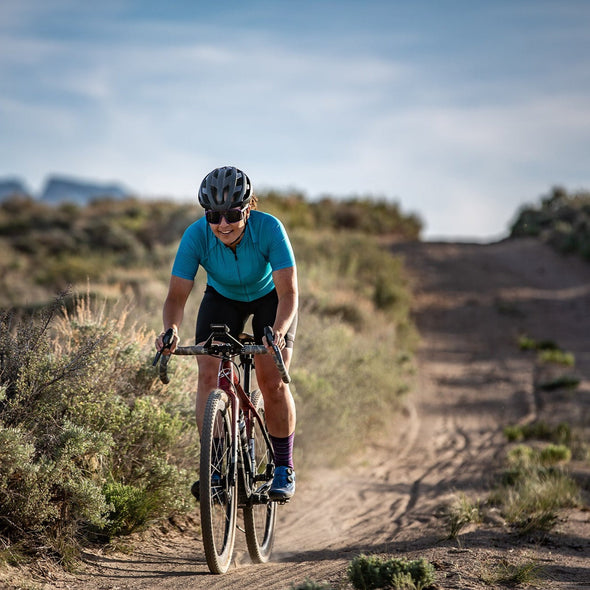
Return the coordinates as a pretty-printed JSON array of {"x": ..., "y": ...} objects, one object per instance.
[{"x": 250, "y": 272}]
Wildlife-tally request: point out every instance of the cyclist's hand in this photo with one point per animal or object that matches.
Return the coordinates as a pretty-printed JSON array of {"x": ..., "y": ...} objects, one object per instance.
[
  {"x": 279, "y": 341},
  {"x": 167, "y": 344}
]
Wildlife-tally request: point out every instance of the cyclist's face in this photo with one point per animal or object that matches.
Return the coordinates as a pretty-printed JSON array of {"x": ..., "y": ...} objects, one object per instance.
[{"x": 227, "y": 232}]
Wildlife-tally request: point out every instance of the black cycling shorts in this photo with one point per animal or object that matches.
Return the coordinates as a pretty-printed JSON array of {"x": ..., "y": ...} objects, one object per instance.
[{"x": 217, "y": 309}]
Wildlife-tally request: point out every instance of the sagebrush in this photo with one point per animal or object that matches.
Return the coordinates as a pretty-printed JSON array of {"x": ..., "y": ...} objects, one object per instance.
[{"x": 87, "y": 444}]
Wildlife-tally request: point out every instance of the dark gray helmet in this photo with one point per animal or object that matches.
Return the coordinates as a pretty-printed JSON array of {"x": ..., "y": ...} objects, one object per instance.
[{"x": 224, "y": 188}]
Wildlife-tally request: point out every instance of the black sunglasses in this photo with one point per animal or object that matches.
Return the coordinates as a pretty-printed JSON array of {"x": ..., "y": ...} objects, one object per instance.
[{"x": 231, "y": 215}]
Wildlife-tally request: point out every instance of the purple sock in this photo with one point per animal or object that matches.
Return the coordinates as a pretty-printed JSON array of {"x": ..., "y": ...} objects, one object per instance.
[{"x": 283, "y": 449}]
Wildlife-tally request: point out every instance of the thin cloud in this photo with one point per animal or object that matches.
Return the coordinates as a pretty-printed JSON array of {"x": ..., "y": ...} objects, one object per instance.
[{"x": 432, "y": 111}]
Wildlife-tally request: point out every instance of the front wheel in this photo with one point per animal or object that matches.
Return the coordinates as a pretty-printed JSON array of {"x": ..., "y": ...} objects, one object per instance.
[
  {"x": 218, "y": 489},
  {"x": 260, "y": 514}
]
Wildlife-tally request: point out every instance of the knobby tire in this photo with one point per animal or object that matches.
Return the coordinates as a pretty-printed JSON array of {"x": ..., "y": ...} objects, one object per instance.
[{"x": 218, "y": 503}]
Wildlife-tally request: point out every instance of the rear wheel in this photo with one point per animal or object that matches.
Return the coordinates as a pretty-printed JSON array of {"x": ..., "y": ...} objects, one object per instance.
[
  {"x": 260, "y": 515},
  {"x": 218, "y": 489}
]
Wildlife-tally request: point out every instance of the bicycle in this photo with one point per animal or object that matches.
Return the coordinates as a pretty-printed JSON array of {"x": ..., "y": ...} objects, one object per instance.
[{"x": 237, "y": 459}]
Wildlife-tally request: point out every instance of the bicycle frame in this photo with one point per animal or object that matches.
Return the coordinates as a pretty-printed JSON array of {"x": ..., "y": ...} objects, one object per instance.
[{"x": 228, "y": 380}]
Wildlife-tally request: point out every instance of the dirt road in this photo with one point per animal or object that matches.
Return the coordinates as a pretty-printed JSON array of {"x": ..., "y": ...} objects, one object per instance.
[{"x": 472, "y": 301}]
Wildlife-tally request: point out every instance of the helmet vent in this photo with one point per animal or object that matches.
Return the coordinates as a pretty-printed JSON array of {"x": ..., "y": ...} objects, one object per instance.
[{"x": 224, "y": 188}]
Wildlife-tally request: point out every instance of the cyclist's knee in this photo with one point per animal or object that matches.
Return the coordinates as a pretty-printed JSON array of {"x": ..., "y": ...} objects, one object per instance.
[
  {"x": 207, "y": 382},
  {"x": 268, "y": 378},
  {"x": 273, "y": 390},
  {"x": 207, "y": 379}
]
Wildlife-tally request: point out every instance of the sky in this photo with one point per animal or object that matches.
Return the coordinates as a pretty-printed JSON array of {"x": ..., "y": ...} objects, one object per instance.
[{"x": 461, "y": 111}]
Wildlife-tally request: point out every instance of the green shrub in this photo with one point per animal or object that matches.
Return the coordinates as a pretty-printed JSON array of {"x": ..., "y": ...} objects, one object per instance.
[
  {"x": 84, "y": 445},
  {"x": 531, "y": 504},
  {"x": 130, "y": 508},
  {"x": 506, "y": 573},
  {"x": 548, "y": 351},
  {"x": 535, "y": 487},
  {"x": 70, "y": 244},
  {"x": 354, "y": 354},
  {"x": 311, "y": 585},
  {"x": 525, "y": 457},
  {"x": 560, "y": 382},
  {"x": 371, "y": 572},
  {"x": 539, "y": 430},
  {"x": 559, "y": 357},
  {"x": 561, "y": 220},
  {"x": 526, "y": 343},
  {"x": 460, "y": 513},
  {"x": 367, "y": 214},
  {"x": 347, "y": 385},
  {"x": 355, "y": 269}
]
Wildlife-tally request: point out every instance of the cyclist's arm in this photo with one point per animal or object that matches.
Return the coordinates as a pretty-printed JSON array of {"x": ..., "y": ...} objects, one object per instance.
[
  {"x": 285, "y": 280},
  {"x": 173, "y": 311}
]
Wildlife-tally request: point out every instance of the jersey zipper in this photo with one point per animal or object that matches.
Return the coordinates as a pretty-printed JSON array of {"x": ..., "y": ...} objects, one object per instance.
[{"x": 240, "y": 276}]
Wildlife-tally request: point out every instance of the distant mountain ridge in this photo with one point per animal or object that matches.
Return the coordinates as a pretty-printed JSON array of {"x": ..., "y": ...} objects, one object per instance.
[
  {"x": 12, "y": 187},
  {"x": 62, "y": 189}
]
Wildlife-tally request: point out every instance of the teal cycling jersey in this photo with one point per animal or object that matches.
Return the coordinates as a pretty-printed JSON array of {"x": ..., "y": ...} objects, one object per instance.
[{"x": 245, "y": 275}]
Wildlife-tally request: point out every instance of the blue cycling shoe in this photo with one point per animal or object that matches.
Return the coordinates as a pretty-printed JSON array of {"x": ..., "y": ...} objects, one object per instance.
[{"x": 283, "y": 484}]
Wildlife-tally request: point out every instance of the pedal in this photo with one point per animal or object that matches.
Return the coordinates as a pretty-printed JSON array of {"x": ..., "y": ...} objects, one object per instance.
[{"x": 258, "y": 498}]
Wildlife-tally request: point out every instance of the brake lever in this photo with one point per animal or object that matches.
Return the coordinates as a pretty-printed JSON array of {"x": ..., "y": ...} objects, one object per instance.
[
  {"x": 167, "y": 343},
  {"x": 270, "y": 336}
]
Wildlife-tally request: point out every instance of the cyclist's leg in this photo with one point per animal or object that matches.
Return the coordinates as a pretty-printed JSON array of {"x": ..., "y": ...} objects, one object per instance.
[
  {"x": 278, "y": 402},
  {"x": 207, "y": 382},
  {"x": 281, "y": 419}
]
